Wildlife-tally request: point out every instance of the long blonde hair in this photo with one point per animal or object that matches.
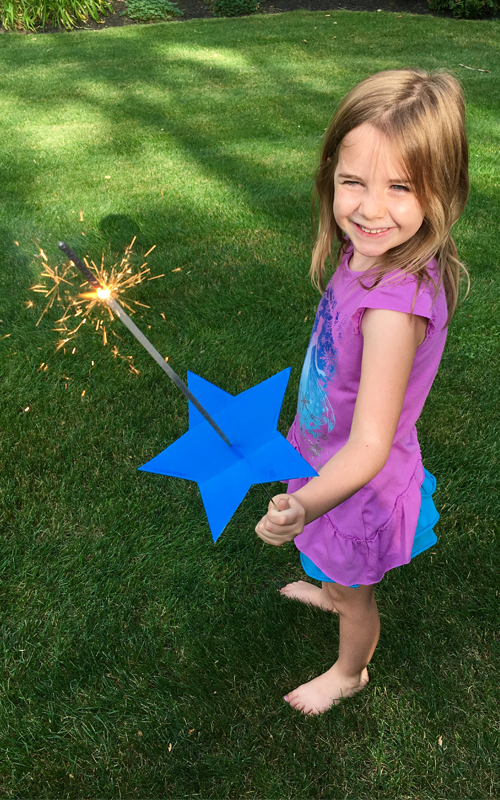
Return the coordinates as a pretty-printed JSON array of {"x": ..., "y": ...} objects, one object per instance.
[{"x": 423, "y": 114}]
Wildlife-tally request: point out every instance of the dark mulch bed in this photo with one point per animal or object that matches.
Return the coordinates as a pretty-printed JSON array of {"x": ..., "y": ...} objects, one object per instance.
[
  {"x": 194, "y": 9},
  {"x": 197, "y": 8}
]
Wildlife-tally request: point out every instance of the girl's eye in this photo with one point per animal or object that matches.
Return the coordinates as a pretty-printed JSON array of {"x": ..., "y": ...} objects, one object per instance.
[
  {"x": 399, "y": 187},
  {"x": 351, "y": 183}
]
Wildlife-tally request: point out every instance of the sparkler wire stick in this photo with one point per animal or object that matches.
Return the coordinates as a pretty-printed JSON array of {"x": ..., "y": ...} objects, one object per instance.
[
  {"x": 269, "y": 496},
  {"x": 124, "y": 317}
]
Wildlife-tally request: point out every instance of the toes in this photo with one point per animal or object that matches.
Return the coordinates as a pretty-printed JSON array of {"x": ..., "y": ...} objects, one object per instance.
[
  {"x": 295, "y": 702},
  {"x": 290, "y": 590},
  {"x": 299, "y": 703}
]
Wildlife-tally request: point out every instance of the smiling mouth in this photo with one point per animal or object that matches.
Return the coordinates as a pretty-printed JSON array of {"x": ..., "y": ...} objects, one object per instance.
[{"x": 371, "y": 230}]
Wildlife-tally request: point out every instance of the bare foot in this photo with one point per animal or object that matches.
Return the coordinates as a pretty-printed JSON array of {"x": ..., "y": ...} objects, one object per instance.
[
  {"x": 325, "y": 691},
  {"x": 310, "y": 594}
]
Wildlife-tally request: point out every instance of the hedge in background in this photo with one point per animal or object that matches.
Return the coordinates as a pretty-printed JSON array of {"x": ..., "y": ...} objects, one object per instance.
[
  {"x": 232, "y": 8},
  {"x": 147, "y": 10},
  {"x": 31, "y": 14},
  {"x": 472, "y": 9}
]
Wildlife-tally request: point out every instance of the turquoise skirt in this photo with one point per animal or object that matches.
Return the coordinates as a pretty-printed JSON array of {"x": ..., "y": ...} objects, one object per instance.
[{"x": 424, "y": 535}]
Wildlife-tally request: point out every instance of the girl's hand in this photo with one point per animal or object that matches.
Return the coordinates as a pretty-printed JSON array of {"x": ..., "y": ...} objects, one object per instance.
[{"x": 278, "y": 527}]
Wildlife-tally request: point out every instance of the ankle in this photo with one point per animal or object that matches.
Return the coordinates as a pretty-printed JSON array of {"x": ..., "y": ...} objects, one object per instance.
[{"x": 350, "y": 678}]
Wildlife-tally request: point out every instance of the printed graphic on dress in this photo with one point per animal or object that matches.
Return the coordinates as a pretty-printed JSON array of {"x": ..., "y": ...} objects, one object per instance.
[{"x": 316, "y": 415}]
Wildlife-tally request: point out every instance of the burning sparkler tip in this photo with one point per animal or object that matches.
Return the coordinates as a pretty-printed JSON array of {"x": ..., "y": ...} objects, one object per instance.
[{"x": 105, "y": 286}]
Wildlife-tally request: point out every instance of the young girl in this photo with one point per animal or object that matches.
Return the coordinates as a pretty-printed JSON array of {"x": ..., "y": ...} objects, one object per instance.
[{"x": 391, "y": 183}]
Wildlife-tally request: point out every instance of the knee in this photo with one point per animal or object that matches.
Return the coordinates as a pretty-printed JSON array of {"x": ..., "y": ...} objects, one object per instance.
[
  {"x": 339, "y": 595},
  {"x": 345, "y": 597}
]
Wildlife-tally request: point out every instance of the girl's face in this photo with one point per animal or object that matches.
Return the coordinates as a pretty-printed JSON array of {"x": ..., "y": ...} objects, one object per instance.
[{"x": 374, "y": 203}]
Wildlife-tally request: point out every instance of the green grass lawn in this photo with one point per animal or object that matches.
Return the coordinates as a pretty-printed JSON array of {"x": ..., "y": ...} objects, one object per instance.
[{"x": 140, "y": 660}]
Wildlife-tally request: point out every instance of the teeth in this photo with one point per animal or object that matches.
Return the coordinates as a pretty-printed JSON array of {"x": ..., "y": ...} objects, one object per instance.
[{"x": 378, "y": 230}]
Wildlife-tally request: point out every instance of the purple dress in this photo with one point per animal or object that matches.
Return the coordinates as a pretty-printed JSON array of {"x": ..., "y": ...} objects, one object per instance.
[{"x": 371, "y": 532}]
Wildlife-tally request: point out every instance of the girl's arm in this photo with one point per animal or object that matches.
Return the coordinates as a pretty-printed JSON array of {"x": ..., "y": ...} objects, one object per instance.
[{"x": 391, "y": 339}]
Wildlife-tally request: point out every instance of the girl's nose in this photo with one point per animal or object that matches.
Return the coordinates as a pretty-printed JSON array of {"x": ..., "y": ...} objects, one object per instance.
[{"x": 372, "y": 205}]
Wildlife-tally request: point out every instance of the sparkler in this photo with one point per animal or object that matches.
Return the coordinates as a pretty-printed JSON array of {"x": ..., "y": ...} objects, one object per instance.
[
  {"x": 118, "y": 281},
  {"x": 103, "y": 292},
  {"x": 224, "y": 464},
  {"x": 58, "y": 284}
]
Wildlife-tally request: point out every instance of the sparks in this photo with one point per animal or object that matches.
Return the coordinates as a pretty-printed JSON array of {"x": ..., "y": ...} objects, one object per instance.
[
  {"x": 79, "y": 303},
  {"x": 51, "y": 292},
  {"x": 114, "y": 306}
]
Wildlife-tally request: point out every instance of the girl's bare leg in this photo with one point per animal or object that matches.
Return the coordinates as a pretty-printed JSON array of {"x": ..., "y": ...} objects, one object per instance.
[
  {"x": 359, "y": 631},
  {"x": 310, "y": 594}
]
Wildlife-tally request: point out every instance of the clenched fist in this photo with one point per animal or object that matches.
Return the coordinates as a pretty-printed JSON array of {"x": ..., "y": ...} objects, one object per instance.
[{"x": 278, "y": 527}]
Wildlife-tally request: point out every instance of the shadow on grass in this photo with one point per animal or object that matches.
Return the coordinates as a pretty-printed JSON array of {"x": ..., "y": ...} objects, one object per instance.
[
  {"x": 173, "y": 70},
  {"x": 119, "y": 229},
  {"x": 15, "y": 276}
]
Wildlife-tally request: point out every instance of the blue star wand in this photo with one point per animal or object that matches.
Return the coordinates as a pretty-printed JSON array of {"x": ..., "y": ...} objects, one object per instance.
[{"x": 224, "y": 462}]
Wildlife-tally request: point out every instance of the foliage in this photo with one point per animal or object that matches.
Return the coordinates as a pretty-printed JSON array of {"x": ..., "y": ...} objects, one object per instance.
[
  {"x": 232, "y": 8},
  {"x": 147, "y": 10},
  {"x": 30, "y": 14},
  {"x": 470, "y": 9}
]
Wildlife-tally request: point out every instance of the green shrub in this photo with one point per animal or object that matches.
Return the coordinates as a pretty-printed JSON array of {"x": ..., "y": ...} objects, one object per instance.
[
  {"x": 147, "y": 10},
  {"x": 31, "y": 14},
  {"x": 472, "y": 9},
  {"x": 232, "y": 8}
]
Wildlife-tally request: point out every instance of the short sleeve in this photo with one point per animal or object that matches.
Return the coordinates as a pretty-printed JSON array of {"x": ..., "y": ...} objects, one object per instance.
[{"x": 398, "y": 292}]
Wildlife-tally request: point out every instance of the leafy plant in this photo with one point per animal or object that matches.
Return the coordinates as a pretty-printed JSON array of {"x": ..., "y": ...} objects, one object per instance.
[
  {"x": 232, "y": 8},
  {"x": 147, "y": 10},
  {"x": 30, "y": 14},
  {"x": 471, "y": 9}
]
